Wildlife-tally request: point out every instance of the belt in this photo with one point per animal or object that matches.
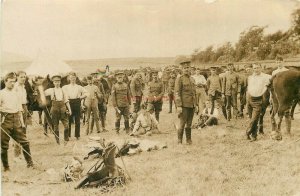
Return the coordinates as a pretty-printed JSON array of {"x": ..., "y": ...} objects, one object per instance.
[
  {"x": 74, "y": 100},
  {"x": 256, "y": 98}
]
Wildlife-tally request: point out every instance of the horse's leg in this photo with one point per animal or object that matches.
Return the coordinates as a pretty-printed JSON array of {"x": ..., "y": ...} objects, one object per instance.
[
  {"x": 40, "y": 117},
  {"x": 293, "y": 108},
  {"x": 288, "y": 121}
]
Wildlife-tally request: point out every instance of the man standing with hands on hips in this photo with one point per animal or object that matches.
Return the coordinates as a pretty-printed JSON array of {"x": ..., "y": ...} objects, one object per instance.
[
  {"x": 76, "y": 94},
  {"x": 186, "y": 102}
]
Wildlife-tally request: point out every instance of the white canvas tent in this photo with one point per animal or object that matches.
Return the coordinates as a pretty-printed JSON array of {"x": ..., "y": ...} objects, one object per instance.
[{"x": 45, "y": 65}]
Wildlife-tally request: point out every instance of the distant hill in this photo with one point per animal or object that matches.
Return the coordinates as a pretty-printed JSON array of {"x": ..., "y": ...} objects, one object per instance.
[
  {"x": 9, "y": 57},
  {"x": 17, "y": 62}
]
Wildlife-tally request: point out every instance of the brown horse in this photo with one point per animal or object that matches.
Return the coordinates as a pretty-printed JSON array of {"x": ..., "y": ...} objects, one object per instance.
[{"x": 286, "y": 89}]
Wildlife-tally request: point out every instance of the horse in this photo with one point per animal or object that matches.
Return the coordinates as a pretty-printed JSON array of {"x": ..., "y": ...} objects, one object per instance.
[{"x": 286, "y": 89}]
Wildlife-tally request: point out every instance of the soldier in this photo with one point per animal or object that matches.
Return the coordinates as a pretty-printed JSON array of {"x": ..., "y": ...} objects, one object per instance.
[
  {"x": 155, "y": 95},
  {"x": 200, "y": 83},
  {"x": 165, "y": 78},
  {"x": 12, "y": 124},
  {"x": 91, "y": 103},
  {"x": 186, "y": 102},
  {"x": 104, "y": 89},
  {"x": 171, "y": 88},
  {"x": 243, "y": 94},
  {"x": 136, "y": 88},
  {"x": 121, "y": 101},
  {"x": 76, "y": 94},
  {"x": 214, "y": 86},
  {"x": 230, "y": 91},
  {"x": 20, "y": 88},
  {"x": 60, "y": 108}
]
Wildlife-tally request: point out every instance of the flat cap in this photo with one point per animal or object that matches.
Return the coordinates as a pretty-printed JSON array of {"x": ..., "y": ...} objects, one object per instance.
[
  {"x": 119, "y": 72},
  {"x": 72, "y": 73},
  {"x": 56, "y": 77}
]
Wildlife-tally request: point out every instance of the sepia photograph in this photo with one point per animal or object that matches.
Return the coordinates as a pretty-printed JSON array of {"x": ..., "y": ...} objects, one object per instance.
[{"x": 150, "y": 97}]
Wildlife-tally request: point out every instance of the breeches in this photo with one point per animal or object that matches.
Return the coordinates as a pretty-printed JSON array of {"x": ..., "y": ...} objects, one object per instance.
[{"x": 186, "y": 117}]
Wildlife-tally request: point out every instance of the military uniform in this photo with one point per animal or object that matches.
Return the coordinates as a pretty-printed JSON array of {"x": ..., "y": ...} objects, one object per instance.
[
  {"x": 185, "y": 97},
  {"x": 214, "y": 86},
  {"x": 91, "y": 102},
  {"x": 102, "y": 102},
  {"x": 230, "y": 90},
  {"x": 155, "y": 95},
  {"x": 243, "y": 91},
  {"x": 171, "y": 88},
  {"x": 136, "y": 88},
  {"x": 121, "y": 101},
  {"x": 165, "y": 79}
]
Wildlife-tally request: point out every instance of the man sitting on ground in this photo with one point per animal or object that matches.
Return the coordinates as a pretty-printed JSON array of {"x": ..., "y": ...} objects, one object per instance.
[
  {"x": 209, "y": 116},
  {"x": 146, "y": 123}
]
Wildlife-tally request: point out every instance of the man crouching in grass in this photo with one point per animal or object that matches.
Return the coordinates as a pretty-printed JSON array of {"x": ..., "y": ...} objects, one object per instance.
[{"x": 146, "y": 123}]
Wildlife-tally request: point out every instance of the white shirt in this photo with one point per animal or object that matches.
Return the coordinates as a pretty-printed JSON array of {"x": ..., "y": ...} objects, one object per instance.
[
  {"x": 56, "y": 94},
  {"x": 20, "y": 89},
  {"x": 257, "y": 84},
  {"x": 144, "y": 121},
  {"x": 278, "y": 70},
  {"x": 9, "y": 101},
  {"x": 74, "y": 91},
  {"x": 199, "y": 79}
]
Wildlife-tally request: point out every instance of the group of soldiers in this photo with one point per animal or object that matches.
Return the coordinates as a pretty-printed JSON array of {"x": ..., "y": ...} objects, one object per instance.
[{"x": 185, "y": 88}]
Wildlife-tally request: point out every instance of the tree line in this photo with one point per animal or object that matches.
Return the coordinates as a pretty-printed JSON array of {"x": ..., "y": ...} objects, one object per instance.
[{"x": 254, "y": 44}]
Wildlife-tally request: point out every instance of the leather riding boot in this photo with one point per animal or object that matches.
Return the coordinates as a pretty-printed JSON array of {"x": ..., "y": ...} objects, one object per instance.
[
  {"x": 4, "y": 160},
  {"x": 180, "y": 135},
  {"x": 117, "y": 126},
  {"x": 27, "y": 155},
  {"x": 126, "y": 124},
  {"x": 170, "y": 110},
  {"x": 188, "y": 135}
]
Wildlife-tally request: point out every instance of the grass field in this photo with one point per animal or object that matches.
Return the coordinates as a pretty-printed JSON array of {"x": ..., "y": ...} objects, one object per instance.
[{"x": 220, "y": 162}]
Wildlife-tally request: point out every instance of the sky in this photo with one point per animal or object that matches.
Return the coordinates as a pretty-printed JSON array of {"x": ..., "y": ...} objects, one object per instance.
[{"x": 93, "y": 29}]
